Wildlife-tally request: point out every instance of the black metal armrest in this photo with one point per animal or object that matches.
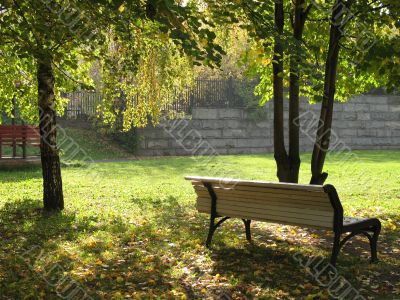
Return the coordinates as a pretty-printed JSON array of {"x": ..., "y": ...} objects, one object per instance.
[{"x": 355, "y": 224}]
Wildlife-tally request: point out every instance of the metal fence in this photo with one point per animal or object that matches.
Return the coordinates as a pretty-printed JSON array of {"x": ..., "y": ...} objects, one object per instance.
[
  {"x": 219, "y": 93},
  {"x": 82, "y": 103}
]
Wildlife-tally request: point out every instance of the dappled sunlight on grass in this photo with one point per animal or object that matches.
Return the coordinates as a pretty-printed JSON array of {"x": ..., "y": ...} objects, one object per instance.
[{"x": 133, "y": 232}]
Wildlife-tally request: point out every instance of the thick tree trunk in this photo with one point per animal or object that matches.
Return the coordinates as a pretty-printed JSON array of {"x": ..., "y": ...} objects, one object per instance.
[
  {"x": 322, "y": 140},
  {"x": 280, "y": 154},
  {"x": 52, "y": 184},
  {"x": 300, "y": 15}
]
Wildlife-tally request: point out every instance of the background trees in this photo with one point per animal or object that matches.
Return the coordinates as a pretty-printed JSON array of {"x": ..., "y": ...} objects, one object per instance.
[
  {"x": 47, "y": 45},
  {"x": 323, "y": 50}
]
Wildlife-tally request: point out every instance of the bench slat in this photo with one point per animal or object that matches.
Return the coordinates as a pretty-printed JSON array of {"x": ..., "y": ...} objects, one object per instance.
[
  {"x": 28, "y": 131},
  {"x": 246, "y": 189},
  {"x": 236, "y": 182},
  {"x": 281, "y": 206},
  {"x": 18, "y": 134},
  {"x": 10, "y": 138},
  {"x": 18, "y": 140}
]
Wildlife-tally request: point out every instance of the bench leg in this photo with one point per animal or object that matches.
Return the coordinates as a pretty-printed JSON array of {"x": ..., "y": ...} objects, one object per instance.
[
  {"x": 335, "y": 249},
  {"x": 213, "y": 227},
  {"x": 374, "y": 243},
  {"x": 247, "y": 227}
]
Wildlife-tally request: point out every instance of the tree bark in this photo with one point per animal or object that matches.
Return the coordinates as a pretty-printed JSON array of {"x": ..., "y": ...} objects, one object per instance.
[
  {"x": 53, "y": 198},
  {"x": 300, "y": 15},
  {"x": 280, "y": 154},
  {"x": 323, "y": 136}
]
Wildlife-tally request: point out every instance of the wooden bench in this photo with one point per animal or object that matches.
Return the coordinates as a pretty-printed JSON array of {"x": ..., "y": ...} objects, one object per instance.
[
  {"x": 284, "y": 203},
  {"x": 18, "y": 135}
]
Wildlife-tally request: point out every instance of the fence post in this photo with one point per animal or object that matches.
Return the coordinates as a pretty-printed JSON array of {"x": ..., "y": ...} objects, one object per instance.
[
  {"x": 64, "y": 95},
  {"x": 230, "y": 91}
]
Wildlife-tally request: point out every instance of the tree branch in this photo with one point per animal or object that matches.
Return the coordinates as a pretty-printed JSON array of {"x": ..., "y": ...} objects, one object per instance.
[{"x": 67, "y": 75}]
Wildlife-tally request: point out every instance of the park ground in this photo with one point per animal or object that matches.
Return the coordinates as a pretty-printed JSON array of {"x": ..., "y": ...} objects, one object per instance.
[{"x": 130, "y": 230}]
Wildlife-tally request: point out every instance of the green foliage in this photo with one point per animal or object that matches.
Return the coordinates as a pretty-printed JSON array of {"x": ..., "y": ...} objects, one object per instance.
[
  {"x": 129, "y": 140},
  {"x": 369, "y": 54},
  {"x": 84, "y": 144},
  {"x": 251, "y": 102},
  {"x": 141, "y": 94},
  {"x": 236, "y": 42},
  {"x": 131, "y": 39}
]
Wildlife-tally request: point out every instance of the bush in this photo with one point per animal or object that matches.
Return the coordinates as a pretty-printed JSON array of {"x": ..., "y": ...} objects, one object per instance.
[{"x": 129, "y": 140}]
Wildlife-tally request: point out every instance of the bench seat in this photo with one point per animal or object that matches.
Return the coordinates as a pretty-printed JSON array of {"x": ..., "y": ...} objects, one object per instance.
[{"x": 284, "y": 203}]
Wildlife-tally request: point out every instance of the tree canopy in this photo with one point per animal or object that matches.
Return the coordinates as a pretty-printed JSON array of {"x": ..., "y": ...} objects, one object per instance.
[{"x": 124, "y": 36}]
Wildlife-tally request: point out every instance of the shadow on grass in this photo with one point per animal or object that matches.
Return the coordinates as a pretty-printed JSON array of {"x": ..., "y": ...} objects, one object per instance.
[
  {"x": 268, "y": 262},
  {"x": 105, "y": 257},
  {"x": 162, "y": 255}
]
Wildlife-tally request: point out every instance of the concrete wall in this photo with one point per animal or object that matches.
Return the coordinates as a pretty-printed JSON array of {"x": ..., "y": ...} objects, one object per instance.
[{"x": 365, "y": 122}]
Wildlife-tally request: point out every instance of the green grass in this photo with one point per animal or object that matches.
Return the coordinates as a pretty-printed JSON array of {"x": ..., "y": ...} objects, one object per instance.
[
  {"x": 78, "y": 143},
  {"x": 130, "y": 230}
]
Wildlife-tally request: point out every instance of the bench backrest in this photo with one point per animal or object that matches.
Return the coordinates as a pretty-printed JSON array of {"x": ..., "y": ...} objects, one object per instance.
[
  {"x": 19, "y": 133},
  {"x": 285, "y": 203}
]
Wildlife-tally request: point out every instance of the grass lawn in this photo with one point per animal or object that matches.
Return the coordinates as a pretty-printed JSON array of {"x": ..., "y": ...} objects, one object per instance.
[{"x": 130, "y": 231}]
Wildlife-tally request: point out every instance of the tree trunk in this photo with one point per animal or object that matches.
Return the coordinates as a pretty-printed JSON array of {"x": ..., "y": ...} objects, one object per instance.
[
  {"x": 280, "y": 154},
  {"x": 322, "y": 140},
  {"x": 294, "y": 92},
  {"x": 53, "y": 198}
]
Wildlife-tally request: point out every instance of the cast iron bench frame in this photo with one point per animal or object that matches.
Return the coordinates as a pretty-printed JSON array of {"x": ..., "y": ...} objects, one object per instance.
[{"x": 341, "y": 225}]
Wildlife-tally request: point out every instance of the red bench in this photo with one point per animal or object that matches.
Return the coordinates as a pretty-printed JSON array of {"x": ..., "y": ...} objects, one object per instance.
[{"x": 18, "y": 135}]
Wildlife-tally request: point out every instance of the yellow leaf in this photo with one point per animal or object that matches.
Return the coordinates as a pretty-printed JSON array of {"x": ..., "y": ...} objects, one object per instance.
[
  {"x": 121, "y": 8},
  {"x": 149, "y": 259},
  {"x": 266, "y": 61}
]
